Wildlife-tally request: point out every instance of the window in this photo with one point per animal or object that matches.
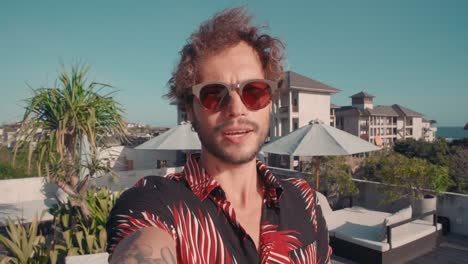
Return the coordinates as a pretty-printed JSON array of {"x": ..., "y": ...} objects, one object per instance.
[{"x": 295, "y": 123}]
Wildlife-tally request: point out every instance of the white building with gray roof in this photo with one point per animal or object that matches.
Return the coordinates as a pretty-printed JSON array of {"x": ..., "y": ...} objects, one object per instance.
[
  {"x": 382, "y": 124},
  {"x": 301, "y": 100}
]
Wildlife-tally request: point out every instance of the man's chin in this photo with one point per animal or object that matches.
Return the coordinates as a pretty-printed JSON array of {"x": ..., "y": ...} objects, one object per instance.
[{"x": 235, "y": 157}]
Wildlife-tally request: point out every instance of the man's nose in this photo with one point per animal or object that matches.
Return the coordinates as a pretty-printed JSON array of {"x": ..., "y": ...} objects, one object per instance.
[{"x": 234, "y": 106}]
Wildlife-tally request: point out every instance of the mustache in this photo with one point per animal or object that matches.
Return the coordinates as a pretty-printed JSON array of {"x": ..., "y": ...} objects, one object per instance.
[{"x": 249, "y": 123}]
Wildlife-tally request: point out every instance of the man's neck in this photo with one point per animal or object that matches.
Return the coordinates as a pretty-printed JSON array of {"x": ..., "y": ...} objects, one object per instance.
[{"x": 239, "y": 182}]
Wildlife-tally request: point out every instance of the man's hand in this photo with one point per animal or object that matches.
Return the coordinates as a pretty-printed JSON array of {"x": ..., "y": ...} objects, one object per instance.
[{"x": 147, "y": 245}]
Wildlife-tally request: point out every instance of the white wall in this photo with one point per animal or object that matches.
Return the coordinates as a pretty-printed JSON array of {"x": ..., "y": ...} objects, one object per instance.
[
  {"x": 313, "y": 106},
  {"x": 142, "y": 159},
  {"x": 417, "y": 127},
  {"x": 400, "y": 134},
  {"x": 25, "y": 189},
  {"x": 127, "y": 179}
]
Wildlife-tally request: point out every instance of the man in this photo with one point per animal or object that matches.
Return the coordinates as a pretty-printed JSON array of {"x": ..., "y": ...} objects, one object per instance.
[{"x": 225, "y": 207}]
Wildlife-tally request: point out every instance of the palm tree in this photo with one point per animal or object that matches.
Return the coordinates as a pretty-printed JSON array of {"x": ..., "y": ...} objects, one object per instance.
[{"x": 56, "y": 123}]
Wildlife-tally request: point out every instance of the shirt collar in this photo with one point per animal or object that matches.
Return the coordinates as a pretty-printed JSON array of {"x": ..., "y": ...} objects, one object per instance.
[{"x": 202, "y": 184}]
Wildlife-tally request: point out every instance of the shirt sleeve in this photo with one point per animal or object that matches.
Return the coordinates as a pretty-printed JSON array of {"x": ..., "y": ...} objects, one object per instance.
[
  {"x": 143, "y": 205},
  {"x": 324, "y": 250}
]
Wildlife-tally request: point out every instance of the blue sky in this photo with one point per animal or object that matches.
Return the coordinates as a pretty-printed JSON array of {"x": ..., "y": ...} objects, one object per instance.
[{"x": 414, "y": 53}]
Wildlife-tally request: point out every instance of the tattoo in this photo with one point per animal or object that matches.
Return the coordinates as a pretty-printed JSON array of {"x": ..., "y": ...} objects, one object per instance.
[
  {"x": 166, "y": 256},
  {"x": 133, "y": 253}
]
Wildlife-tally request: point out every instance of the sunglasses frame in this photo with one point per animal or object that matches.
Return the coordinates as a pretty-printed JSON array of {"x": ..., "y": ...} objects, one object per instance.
[{"x": 196, "y": 89}]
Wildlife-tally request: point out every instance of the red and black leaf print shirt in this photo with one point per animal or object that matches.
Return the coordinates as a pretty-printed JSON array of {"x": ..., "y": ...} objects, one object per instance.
[{"x": 192, "y": 208}]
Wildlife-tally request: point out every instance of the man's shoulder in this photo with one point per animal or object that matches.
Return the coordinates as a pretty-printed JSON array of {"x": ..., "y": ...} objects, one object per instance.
[
  {"x": 297, "y": 188},
  {"x": 155, "y": 187},
  {"x": 294, "y": 182}
]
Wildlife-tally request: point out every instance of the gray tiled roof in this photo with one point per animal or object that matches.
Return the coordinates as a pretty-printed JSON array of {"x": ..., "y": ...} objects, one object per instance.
[
  {"x": 406, "y": 111},
  {"x": 382, "y": 110},
  {"x": 334, "y": 106},
  {"x": 297, "y": 81},
  {"x": 362, "y": 94}
]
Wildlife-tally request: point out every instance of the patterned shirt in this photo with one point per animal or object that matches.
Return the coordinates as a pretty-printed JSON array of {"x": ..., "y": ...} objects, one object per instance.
[{"x": 192, "y": 207}]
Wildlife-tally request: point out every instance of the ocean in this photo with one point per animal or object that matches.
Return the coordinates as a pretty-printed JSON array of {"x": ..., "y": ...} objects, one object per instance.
[{"x": 451, "y": 132}]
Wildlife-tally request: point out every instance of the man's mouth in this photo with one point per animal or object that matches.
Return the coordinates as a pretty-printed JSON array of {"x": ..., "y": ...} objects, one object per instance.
[{"x": 237, "y": 132}]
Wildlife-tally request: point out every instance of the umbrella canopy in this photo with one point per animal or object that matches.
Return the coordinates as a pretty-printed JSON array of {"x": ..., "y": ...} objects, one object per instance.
[
  {"x": 318, "y": 139},
  {"x": 181, "y": 137}
]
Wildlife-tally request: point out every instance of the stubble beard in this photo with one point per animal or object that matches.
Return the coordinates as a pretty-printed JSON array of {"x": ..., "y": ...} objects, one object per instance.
[{"x": 231, "y": 157}]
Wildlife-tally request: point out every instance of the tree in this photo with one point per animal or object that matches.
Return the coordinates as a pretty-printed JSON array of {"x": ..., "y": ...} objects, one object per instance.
[
  {"x": 458, "y": 170},
  {"x": 59, "y": 119},
  {"x": 335, "y": 176},
  {"x": 413, "y": 177},
  {"x": 436, "y": 152}
]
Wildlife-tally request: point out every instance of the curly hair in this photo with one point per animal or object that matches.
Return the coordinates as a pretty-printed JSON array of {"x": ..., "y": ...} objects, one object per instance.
[{"x": 224, "y": 30}]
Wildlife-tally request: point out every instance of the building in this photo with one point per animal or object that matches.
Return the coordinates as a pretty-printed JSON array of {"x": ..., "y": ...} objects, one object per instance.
[
  {"x": 333, "y": 108},
  {"x": 8, "y": 134},
  {"x": 382, "y": 124},
  {"x": 300, "y": 100},
  {"x": 135, "y": 125}
]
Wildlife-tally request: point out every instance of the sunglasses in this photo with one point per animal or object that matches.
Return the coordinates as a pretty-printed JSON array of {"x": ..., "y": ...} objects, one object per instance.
[{"x": 255, "y": 94}]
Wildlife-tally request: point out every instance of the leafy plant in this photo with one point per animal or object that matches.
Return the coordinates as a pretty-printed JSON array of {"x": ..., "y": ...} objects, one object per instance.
[
  {"x": 24, "y": 243},
  {"x": 101, "y": 203},
  {"x": 78, "y": 235},
  {"x": 60, "y": 120}
]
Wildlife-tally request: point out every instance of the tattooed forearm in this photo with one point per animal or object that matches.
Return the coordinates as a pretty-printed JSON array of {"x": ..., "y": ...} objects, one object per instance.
[
  {"x": 144, "y": 254},
  {"x": 167, "y": 256},
  {"x": 146, "y": 245}
]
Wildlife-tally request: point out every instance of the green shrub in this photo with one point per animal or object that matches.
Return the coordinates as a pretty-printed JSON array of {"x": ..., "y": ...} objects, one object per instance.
[
  {"x": 79, "y": 235},
  {"x": 73, "y": 233},
  {"x": 25, "y": 244},
  {"x": 414, "y": 177}
]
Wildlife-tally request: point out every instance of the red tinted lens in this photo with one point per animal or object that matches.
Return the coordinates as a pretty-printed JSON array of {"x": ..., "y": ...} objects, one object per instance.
[
  {"x": 211, "y": 96},
  {"x": 256, "y": 95}
]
